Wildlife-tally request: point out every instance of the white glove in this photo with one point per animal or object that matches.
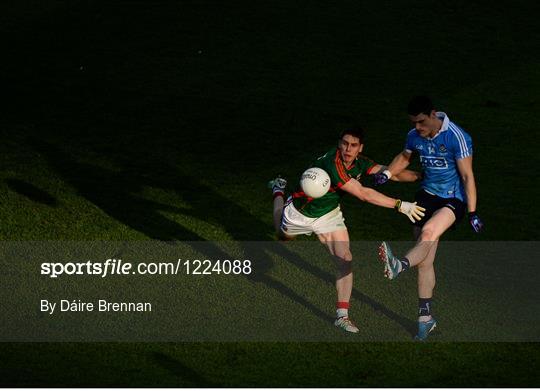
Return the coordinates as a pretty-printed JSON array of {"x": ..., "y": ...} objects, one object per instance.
[{"x": 411, "y": 210}]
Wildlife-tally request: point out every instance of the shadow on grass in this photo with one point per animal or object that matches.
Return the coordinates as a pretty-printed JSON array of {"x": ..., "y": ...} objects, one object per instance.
[
  {"x": 188, "y": 376},
  {"x": 116, "y": 193},
  {"x": 31, "y": 192}
]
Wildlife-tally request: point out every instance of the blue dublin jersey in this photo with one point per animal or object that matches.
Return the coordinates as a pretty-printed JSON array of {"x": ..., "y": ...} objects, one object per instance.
[{"x": 439, "y": 156}]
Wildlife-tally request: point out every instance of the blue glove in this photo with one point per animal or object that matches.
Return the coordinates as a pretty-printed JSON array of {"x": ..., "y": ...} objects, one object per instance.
[
  {"x": 381, "y": 178},
  {"x": 475, "y": 222}
]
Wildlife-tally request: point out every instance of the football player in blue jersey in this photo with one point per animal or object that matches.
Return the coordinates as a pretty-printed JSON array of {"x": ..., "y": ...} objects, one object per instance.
[{"x": 448, "y": 189}]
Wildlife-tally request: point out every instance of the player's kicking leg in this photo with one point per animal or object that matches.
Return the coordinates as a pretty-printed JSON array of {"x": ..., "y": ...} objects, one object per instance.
[
  {"x": 337, "y": 243},
  {"x": 422, "y": 255}
]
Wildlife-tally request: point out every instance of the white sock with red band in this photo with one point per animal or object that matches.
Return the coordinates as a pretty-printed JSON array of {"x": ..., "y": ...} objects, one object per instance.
[
  {"x": 342, "y": 309},
  {"x": 278, "y": 193}
]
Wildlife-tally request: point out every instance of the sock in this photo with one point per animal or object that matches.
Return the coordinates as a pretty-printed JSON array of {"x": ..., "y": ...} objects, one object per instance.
[
  {"x": 424, "y": 307},
  {"x": 342, "y": 309},
  {"x": 405, "y": 264},
  {"x": 278, "y": 193}
]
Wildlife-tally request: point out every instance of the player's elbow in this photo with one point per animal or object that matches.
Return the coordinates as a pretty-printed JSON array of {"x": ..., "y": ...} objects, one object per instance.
[{"x": 467, "y": 177}]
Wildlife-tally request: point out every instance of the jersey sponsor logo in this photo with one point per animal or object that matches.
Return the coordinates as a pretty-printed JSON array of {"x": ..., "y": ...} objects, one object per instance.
[{"x": 434, "y": 162}]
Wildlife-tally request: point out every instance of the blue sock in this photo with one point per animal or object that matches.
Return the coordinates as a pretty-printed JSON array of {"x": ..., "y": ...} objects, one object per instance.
[
  {"x": 405, "y": 264},
  {"x": 424, "y": 307}
]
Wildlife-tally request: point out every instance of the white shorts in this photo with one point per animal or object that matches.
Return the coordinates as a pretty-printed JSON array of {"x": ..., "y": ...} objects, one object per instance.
[{"x": 295, "y": 223}]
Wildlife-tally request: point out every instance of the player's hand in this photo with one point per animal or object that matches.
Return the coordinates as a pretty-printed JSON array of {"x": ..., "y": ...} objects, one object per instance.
[
  {"x": 381, "y": 178},
  {"x": 411, "y": 210},
  {"x": 475, "y": 222}
]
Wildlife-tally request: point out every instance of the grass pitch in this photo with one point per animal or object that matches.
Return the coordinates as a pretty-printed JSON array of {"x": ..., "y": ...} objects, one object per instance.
[{"x": 164, "y": 120}]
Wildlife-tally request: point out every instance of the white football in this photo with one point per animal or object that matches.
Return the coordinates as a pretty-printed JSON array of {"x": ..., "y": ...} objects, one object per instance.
[{"x": 315, "y": 182}]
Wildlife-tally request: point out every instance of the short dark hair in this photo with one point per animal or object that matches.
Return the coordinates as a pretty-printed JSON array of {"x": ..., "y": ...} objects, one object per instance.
[
  {"x": 420, "y": 104},
  {"x": 355, "y": 131}
]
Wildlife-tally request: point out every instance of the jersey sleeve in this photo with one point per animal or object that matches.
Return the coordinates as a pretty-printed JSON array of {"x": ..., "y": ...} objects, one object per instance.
[
  {"x": 366, "y": 165},
  {"x": 409, "y": 142},
  {"x": 461, "y": 143}
]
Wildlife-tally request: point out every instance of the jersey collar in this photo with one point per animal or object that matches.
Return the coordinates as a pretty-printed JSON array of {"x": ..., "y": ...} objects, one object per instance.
[{"x": 445, "y": 122}]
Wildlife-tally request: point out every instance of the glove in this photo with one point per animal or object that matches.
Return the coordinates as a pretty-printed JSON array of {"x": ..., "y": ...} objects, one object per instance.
[
  {"x": 410, "y": 209},
  {"x": 475, "y": 222},
  {"x": 381, "y": 178}
]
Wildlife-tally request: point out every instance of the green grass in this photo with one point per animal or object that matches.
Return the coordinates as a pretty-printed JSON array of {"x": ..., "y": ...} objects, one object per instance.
[
  {"x": 164, "y": 120},
  {"x": 285, "y": 365}
]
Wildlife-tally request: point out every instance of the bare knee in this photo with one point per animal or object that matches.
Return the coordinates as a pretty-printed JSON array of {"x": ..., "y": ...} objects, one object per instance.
[
  {"x": 344, "y": 267},
  {"x": 428, "y": 234},
  {"x": 346, "y": 255},
  {"x": 343, "y": 260},
  {"x": 339, "y": 249}
]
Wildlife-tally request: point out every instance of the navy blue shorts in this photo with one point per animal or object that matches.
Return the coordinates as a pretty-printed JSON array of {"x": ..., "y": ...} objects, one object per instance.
[{"x": 433, "y": 203}]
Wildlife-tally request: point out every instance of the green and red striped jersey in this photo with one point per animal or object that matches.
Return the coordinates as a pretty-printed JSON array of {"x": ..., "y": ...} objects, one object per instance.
[{"x": 332, "y": 163}]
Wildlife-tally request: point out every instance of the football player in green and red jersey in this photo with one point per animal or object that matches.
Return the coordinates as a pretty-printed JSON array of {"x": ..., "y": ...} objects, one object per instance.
[{"x": 302, "y": 215}]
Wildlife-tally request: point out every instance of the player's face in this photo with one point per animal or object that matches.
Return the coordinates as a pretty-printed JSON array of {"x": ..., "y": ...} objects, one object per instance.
[
  {"x": 349, "y": 147},
  {"x": 426, "y": 125}
]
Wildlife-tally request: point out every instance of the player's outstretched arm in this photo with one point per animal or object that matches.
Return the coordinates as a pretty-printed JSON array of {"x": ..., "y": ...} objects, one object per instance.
[
  {"x": 407, "y": 176},
  {"x": 410, "y": 209},
  {"x": 396, "y": 168},
  {"x": 403, "y": 176}
]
